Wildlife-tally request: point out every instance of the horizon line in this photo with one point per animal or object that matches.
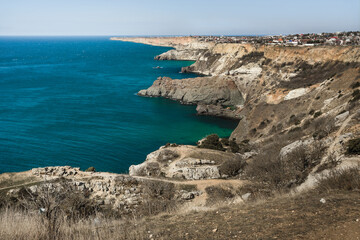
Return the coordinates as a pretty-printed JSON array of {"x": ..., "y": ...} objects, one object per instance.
[{"x": 159, "y": 35}]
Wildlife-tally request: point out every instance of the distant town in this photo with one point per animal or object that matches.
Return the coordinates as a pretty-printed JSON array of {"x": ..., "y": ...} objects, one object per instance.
[{"x": 308, "y": 39}]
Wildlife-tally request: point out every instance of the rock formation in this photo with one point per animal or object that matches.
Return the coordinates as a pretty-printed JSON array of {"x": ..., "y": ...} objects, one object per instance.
[{"x": 184, "y": 162}]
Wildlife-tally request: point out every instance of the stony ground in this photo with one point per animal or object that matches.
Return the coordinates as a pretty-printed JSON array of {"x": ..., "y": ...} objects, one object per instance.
[{"x": 302, "y": 217}]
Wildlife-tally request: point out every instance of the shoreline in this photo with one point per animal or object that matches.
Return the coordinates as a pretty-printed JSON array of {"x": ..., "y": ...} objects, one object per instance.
[{"x": 297, "y": 141}]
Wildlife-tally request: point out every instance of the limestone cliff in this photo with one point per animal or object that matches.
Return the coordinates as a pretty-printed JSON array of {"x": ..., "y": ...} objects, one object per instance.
[
  {"x": 207, "y": 90},
  {"x": 186, "y": 48},
  {"x": 267, "y": 74},
  {"x": 273, "y": 90}
]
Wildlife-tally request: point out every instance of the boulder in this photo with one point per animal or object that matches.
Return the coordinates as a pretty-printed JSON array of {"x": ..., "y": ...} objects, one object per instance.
[{"x": 339, "y": 119}]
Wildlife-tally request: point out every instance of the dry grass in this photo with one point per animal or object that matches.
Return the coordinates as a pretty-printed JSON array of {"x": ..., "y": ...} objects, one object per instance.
[
  {"x": 284, "y": 217},
  {"x": 280, "y": 173},
  {"x": 18, "y": 225},
  {"x": 301, "y": 217},
  {"x": 340, "y": 179}
]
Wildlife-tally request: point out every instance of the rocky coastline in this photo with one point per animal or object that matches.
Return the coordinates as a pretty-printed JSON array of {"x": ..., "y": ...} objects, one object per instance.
[{"x": 299, "y": 121}]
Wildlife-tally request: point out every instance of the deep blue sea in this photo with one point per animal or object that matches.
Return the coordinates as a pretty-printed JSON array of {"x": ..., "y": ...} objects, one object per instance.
[{"x": 72, "y": 101}]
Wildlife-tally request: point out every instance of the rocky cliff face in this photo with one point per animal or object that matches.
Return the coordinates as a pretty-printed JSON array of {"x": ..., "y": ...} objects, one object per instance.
[
  {"x": 275, "y": 91},
  {"x": 242, "y": 74},
  {"x": 214, "y": 94},
  {"x": 185, "y": 54},
  {"x": 186, "y": 48},
  {"x": 207, "y": 90}
]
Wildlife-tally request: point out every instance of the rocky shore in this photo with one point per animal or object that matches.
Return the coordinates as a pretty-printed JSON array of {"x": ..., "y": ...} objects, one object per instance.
[{"x": 299, "y": 130}]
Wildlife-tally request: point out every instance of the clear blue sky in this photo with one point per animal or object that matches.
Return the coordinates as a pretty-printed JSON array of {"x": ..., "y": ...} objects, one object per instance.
[{"x": 181, "y": 17}]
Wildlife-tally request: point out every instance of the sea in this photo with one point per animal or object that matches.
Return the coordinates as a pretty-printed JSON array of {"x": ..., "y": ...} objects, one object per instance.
[{"x": 72, "y": 101}]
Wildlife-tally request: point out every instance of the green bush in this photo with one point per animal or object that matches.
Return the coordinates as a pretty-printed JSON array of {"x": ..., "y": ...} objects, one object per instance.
[
  {"x": 354, "y": 146},
  {"x": 212, "y": 142}
]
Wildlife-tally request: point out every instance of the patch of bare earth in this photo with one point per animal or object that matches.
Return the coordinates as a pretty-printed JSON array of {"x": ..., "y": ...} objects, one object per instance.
[{"x": 301, "y": 217}]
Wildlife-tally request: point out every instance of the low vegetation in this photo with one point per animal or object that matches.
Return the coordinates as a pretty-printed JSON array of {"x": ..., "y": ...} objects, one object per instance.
[
  {"x": 342, "y": 179},
  {"x": 218, "y": 194},
  {"x": 212, "y": 142},
  {"x": 331, "y": 162},
  {"x": 232, "y": 167},
  {"x": 90, "y": 169},
  {"x": 280, "y": 172},
  {"x": 354, "y": 146}
]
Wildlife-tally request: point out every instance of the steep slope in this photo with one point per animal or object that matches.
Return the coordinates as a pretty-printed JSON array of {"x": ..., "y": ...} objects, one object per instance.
[{"x": 294, "y": 96}]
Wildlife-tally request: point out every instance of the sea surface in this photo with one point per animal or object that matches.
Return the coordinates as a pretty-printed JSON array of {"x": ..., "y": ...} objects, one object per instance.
[{"x": 72, "y": 101}]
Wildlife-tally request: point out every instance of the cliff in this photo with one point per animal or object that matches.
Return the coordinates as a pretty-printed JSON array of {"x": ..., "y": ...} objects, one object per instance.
[
  {"x": 295, "y": 96},
  {"x": 262, "y": 73},
  {"x": 206, "y": 90},
  {"x": 186, "y": 48},
  {"x": 298, "y": 133}
]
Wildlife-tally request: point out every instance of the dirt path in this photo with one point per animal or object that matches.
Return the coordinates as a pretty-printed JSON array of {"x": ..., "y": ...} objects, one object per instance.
[{"x": 20, "y": 185}]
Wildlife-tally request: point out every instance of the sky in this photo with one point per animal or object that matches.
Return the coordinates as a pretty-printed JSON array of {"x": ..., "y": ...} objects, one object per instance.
[{"x": 169, "y": 17}]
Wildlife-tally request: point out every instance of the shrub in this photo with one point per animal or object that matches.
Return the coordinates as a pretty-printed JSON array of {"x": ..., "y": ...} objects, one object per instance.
[
  {"x": 234, "y": 147},
  {"x": 278, "y": 172},
  {"x": 354, "y": 146},
  {"x": 317, "y": 114},
  {"x": 159, "y": 189},
  {"x": 212, "y": 142},
  {"x": 253, "y": 131},
  {"x": 330, "y": 162},
  {"x": 217, "y": 194},
  {"x": 167, "y": 155},
  {"x": 152, "y": 169},
  {"x": 225, "y": 141},
  {"x": 58, "y": 200},
  {"x": 232, "y": 167},
  {"x": 312, "y": 111},
  {"x": 355, "y": 85},
  {"x": 343, "y": 179},
  {"x": 90, "y": 169},
  {"x": 301, "y": 161},
  {"x": 268, "y": 171},
  {"x": 355, "y": 95},
  {"x": 294, "y": 120},
  {"x": 170, "y": 145}
]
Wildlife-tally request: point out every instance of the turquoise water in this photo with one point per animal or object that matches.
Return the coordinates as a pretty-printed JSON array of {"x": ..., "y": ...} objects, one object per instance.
[{"x": 71, "y": 101}]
